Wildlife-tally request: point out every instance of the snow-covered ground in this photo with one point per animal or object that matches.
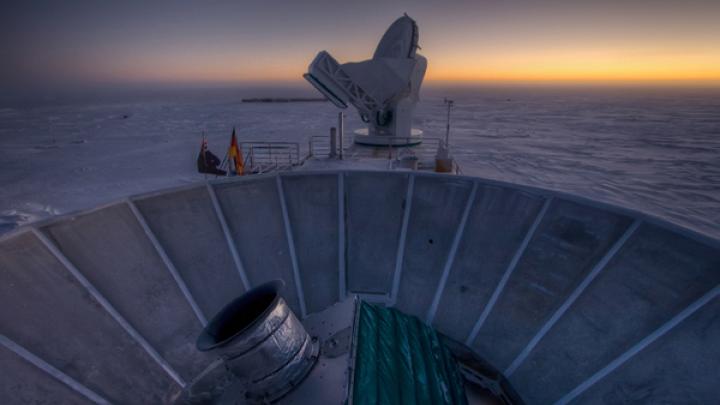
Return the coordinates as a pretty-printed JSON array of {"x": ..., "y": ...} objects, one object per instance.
[{"x": 657, "y": 151}]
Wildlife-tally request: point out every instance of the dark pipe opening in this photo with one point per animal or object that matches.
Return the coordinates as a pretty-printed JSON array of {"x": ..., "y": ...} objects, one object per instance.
[{"x": 239, "y": 315}]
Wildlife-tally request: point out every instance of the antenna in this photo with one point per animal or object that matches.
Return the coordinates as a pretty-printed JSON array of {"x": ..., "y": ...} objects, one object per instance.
[
  {"x": 449, "y": 103},
  {"x": 384, "y": 89}
]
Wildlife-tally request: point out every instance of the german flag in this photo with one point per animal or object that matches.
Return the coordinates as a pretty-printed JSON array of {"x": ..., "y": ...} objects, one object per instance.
[{"x": 235, "y": 156}]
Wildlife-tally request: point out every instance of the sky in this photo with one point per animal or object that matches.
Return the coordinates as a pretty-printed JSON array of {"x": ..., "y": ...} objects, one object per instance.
[{"x": 94, "y": 43}]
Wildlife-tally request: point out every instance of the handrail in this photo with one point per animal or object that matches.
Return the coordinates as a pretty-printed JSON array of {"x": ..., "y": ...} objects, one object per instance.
[
  {"x": 267, "y": 156},
  {"x": 319, "y": 146}
]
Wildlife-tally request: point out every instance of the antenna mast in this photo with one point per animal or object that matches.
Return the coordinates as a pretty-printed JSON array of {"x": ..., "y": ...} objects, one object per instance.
[{"x": 449, "y": 103}]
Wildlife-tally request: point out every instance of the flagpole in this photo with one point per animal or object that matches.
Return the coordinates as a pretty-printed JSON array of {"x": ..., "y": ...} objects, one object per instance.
[{"x": 203, "y": 152}]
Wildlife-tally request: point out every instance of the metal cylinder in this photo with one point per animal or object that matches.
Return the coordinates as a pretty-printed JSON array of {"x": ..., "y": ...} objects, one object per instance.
[
  {"x": 262, "y": 342},
  {"x": 333, "y": 142}
]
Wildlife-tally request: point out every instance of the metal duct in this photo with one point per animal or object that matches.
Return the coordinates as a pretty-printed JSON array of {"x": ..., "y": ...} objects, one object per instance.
[{"x": 262, "y": 344}]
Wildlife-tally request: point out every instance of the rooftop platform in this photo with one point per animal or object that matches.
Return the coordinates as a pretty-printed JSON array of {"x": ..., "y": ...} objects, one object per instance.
[{"x": 570, "y": 300}]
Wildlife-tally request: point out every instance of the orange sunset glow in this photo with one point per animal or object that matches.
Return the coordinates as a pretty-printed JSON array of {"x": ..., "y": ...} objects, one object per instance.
[{"x": 485, "y": 42}]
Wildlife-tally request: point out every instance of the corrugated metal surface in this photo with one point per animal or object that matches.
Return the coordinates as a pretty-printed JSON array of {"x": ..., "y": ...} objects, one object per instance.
[{"x": 400, "y": 360}]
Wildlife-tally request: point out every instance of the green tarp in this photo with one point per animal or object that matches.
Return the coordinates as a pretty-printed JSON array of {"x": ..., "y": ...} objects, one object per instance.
[{"x": 400, "y": 360}]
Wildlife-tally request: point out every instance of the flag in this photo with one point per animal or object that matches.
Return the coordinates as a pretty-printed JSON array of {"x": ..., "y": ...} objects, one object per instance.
[
  {"x": 207, "y": 162},
  {"x": 203, "y": 145},
  {"x": 235, "y": 156},
  {"x": 202, "y": 156}
]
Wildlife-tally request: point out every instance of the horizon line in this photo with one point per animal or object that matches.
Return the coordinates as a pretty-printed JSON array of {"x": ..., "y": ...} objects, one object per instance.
[{"x": 295, "y": 82}]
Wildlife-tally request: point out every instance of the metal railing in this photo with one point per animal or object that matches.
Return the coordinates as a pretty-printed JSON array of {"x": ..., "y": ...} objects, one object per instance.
[
  {"x": 427, "y": 150},
  {"x": 319, "y": 146},
  {"x": 263, "y": 157}
]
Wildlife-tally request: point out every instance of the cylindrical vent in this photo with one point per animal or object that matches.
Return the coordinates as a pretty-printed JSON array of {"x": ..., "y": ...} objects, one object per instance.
[{"x": 262, "y": 342}]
